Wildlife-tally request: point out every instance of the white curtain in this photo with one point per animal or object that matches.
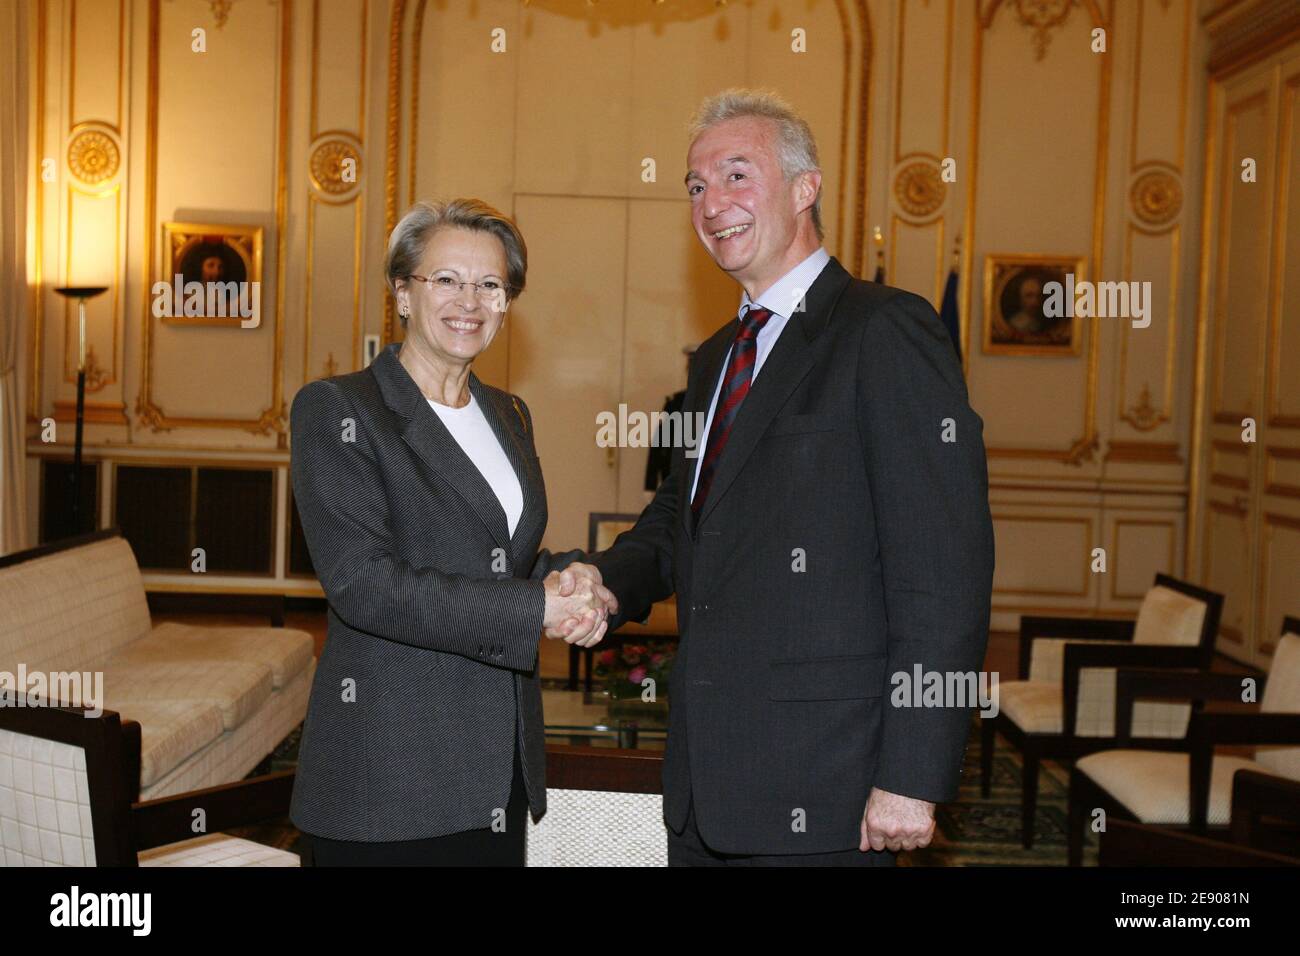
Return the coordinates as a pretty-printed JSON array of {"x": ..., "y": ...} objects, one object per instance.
[{"x": 15, "y": 296}]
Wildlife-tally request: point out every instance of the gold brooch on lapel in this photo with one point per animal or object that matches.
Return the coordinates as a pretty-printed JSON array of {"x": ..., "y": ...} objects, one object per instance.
[{"x": 522, "y": 419}]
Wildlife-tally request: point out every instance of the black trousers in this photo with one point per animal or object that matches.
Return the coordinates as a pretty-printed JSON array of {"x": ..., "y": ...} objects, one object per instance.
[
  {"x": 689, "y": 849},
  {"x": 484, "y": 847}
]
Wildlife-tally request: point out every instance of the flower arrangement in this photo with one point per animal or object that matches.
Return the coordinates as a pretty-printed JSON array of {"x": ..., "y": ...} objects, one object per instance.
[{"x": 623, "y": 669}]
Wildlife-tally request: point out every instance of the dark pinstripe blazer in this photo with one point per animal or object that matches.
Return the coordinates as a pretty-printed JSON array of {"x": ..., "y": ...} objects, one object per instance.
[
  {"x": 842, "y": 542},
  {"x": 428, "y": 677}
]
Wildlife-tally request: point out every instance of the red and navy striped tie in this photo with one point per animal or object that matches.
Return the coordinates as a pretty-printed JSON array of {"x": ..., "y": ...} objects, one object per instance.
[{"x": 735, "y": 386}]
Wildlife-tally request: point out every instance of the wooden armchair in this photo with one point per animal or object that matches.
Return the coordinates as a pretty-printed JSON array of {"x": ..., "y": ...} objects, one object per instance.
[
  {"x": 68, "y": 799},
  {"x": 1056, "y": 711},
  {"x": 1260, "y": 802},
  {"x": 1193, "y": 789}
]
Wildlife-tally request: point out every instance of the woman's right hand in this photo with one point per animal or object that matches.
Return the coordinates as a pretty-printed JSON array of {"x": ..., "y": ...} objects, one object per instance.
[{"x": 577, "y": 599}]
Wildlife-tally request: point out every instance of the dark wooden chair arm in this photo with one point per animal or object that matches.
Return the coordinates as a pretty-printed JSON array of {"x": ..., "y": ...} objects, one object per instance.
[
  {"x": 1257, "y": 797},
  {"x": 1079, "y": 656},
  {"x": 1138, "y": 844},
  {"x": 1072, "y": 628},
  {"x": 1196, "y": 686},
  {"x": 171, "y": 819},
  {"x": 1207, "y": 729}
]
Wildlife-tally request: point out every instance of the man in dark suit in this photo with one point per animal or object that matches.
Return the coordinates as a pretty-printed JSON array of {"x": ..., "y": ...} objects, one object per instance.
[{"x": 832, "y": 538}]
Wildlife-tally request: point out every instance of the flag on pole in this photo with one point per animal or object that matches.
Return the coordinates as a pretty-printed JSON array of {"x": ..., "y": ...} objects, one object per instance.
[{"x": 948, "y": 311}]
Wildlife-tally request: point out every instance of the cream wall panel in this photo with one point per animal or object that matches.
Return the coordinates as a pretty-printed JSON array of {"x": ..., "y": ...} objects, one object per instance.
[
  {"x": 1243, "y": 275},
  {"x": 574, "y": 132},
  {"x": 340, "y": 43},
  {"x": 1284, "y": 339},
  {"x": 217, "y": 163},
  {"x": 564, "y": 351},
  {"x": 466, "y": 114},
  {"x": 332, "y": 280},
  {"x": 1138, "y": 547},
  {"x": 96, "y": 61},
  {"x": 676, "y": 296},
  {"x": 1043, "y": 555},
  {"x": 922, "y": 76},
  {"x": 813, "y": 82},
  {"x": 1225, "y": 571},
  {"x": 1279, "y": 564},
  {"x": 1035, "y": 194}
]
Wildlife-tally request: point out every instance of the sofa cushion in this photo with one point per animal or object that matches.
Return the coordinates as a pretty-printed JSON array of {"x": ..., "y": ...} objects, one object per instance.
[
  {"x": 70, "y": 607},
  {"x": 235, "y": 687},
  {"x": 170, "y": 732},
  {"x": 286, "y": 652}
]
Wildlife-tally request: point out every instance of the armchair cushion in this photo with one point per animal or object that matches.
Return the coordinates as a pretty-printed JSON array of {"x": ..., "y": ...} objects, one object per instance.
[
  {"x": 1282, "y": 696},
  {"x": 1169, "y": 617},
  {"x": 1038, "y": 707},
  {"x": 1154, "y": 785}
]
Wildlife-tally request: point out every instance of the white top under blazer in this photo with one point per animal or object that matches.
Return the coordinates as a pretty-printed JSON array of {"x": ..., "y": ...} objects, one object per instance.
[{"x": 476, "y": 438}]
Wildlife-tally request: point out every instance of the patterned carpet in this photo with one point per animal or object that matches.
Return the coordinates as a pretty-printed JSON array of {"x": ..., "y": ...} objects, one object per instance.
[
  {"x": 973, "y": 831},
  {"x": 979, "y": 831}
]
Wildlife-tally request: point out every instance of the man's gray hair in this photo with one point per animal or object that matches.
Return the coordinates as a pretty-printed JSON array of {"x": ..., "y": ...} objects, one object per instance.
[
  {"x": 411, "y": 237},
  {"x": 796, "y": 148}
]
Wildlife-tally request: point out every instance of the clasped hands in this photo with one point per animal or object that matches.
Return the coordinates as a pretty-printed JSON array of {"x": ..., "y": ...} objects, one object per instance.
[{"x": 578, "y": 605}]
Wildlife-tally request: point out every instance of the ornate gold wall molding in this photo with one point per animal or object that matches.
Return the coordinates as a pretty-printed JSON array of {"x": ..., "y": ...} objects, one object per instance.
[
  {"x": 331, "y": 150},
  {"x": 1155, "y": 209},
  {"x": 1042, "y": 17},
  {"x": 1243, "y": 33}
]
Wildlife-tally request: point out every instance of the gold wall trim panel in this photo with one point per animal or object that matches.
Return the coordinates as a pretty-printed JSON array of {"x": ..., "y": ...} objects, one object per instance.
[
  {"x": 1086, "y": 522},
  {"x": 150, "y": 413},
  {"x": 1170, "y": 526},
  {"x": 1083, "y": 448},
  {"x": 1271, "y": 485}
]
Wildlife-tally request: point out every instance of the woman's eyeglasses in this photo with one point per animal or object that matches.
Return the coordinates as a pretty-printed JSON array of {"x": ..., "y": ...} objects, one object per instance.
[{"x": 447, "y": 286}]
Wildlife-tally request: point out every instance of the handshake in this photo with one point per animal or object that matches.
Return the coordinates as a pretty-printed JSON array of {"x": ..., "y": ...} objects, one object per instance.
[{"x": 578, "y": 605}]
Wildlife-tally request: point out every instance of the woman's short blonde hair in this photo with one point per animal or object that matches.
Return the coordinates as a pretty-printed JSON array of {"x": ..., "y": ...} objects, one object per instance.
[{"x": 411, "y": 237}]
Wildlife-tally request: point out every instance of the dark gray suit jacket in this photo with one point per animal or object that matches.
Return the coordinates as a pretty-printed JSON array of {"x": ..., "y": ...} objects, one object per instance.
[
  {"x": 779, "y": 698},
  {"x": 428, "y": 678}
]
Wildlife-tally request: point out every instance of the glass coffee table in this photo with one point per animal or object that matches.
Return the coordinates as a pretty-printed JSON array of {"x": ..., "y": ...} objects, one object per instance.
[{"x": 594, "y": 719}]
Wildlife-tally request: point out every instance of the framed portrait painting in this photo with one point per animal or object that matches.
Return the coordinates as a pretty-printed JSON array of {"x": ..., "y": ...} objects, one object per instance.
[
  {"x": 225, "y": 260},
  {"x": 1027, "y": 304}
]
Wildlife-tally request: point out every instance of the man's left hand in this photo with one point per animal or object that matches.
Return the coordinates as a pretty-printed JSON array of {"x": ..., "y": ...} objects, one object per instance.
[{"x": 894, "y": 822}]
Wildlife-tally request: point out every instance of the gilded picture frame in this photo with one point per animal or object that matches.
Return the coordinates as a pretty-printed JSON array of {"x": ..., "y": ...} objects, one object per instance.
[{"x": 1019, "y": 317}]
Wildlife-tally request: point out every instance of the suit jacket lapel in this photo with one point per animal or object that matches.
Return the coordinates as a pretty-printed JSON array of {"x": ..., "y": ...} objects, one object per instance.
[
  {"x": 699, "y": 393},
  {"x": 422, "y": 429},
  {"x": 508, "y": 422},
  {"x": 790, "y": 360}
]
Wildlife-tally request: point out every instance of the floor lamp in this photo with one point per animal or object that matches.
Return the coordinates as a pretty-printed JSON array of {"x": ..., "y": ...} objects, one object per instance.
[{"x": 81, "y": 294}]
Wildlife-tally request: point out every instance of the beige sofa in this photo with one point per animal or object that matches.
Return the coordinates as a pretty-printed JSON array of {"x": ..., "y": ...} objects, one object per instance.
[{"x": 211, "y": 702}]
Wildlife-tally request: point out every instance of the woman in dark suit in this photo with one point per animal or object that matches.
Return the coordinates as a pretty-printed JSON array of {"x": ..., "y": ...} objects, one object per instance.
[{"x": 421, "y": 496}]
